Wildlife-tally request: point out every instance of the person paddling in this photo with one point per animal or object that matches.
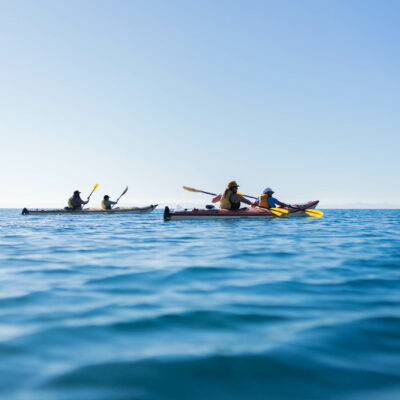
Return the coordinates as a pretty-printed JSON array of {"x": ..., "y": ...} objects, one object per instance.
[
  {"x": 75, "y": 202},
  {"x": 107, "y": 204},
  {"x": 230, "y": 199},
  {"x": 266, "y": 199}
]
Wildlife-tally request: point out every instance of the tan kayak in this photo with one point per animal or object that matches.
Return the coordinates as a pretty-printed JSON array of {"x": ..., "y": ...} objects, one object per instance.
[{"x": 91, "y": 211}]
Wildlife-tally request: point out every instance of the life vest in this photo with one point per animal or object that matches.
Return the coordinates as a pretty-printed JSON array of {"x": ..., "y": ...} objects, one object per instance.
[
  {"x": 75, "y": 203},
  {"x": 225, "y": 202},
  {"x": 264, "y": 201},
  {"x": 106, "y": 204}
]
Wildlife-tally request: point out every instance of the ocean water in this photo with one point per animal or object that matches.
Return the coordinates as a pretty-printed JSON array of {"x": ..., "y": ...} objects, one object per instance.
[{"x": 132, "y": 307}]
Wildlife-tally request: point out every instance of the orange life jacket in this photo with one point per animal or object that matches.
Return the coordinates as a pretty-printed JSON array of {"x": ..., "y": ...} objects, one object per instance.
[{"x": 263, "y": 201}]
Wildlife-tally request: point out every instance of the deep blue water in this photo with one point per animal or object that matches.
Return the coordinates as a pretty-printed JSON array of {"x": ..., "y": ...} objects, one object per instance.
[{"x": 131, "y": 307}]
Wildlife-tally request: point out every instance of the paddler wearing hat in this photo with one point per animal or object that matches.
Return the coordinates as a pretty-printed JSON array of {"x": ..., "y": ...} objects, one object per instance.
[
  {"x": 266, "y": 199},
  {"x": 75, "y": 202},
  {"x": 230, "y": 199}
]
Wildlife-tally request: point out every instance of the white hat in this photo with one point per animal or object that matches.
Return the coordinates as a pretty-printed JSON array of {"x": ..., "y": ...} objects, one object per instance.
[{"x": 268, "y": 189}]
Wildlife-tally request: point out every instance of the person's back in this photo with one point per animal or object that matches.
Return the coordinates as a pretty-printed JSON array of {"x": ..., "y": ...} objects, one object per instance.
[
  {"x": 228, "y": 202},
  {"x": 75, "y": 202},
  {"x": 230, "y": 199}
]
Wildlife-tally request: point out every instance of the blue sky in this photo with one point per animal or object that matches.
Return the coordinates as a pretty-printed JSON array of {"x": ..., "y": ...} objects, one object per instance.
[{"x": 302, "y": 96}]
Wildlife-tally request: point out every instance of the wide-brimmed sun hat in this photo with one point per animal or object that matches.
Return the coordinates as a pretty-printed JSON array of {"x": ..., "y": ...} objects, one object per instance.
[{"x": 232, "y": 184}]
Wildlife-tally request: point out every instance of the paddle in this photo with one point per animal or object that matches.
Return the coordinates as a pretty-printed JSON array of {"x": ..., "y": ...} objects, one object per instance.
[
  {"x": 198, "y": 191},
  {"x": 126, "y": 189},
  {"x": 94, "y": 188},
  {"x": 277, "y": 211}
]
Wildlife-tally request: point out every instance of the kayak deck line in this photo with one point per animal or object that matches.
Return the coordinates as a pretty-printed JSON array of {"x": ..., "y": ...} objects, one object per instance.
[{"x": 91, "y": 211}]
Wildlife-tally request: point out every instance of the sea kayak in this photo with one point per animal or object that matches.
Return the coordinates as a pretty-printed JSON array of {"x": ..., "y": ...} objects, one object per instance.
[
  {"x": 295, "y": 210},
  {"x": 91, "y": 211}
]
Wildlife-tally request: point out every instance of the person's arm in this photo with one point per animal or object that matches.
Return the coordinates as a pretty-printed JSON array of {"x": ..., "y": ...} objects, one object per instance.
[
  {"x": 85, "y": 202},
  {"x": 238, "y": 198},
  {"x": 217, "y": 198},
  {"x": 272, "y": 202}
]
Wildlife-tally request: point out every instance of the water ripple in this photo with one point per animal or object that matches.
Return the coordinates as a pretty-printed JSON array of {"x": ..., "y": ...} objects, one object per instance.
[{"x": 122, "y": 307}]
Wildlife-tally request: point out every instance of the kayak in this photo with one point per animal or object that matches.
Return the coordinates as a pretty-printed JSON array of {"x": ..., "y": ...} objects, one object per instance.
[
  {"x": 217, "y": 214},
  {"x": 295, "y": 210},
  {"x": 91, "y": 211}
]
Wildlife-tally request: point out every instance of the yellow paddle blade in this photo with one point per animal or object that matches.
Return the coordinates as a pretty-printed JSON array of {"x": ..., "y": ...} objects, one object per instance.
[
  {"x": 191, "y": 189},
  {"x": 314, "y": 213},
  {"x": 277, "y": 212},
  {"x": 281, "y": 210},
  {"x": 95, "y": 187}
]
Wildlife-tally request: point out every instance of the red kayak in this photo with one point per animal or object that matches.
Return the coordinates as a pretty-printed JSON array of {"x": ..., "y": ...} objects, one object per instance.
[{"x": 295, "y": 210}]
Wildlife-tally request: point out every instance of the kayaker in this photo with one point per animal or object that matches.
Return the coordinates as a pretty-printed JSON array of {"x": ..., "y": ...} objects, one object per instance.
[
  {"x": 266, "y": 199},
  {"x": 75, "y": 202},
  {"x": 230, "y": 199},
  {"x": 107, "y": 204}
]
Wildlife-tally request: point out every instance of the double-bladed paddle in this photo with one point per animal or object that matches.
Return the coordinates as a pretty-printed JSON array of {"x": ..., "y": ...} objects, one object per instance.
[{"x": 280, "y": 212}]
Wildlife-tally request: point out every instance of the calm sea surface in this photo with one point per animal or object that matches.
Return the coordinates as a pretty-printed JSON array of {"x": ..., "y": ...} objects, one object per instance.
[{"x": 132, "y": 307}]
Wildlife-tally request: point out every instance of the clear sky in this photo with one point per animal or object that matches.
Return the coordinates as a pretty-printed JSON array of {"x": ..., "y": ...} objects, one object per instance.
[{"x": 302, "y": 96}]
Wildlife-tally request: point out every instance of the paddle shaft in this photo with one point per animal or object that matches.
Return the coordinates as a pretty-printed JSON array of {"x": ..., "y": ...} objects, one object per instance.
[
  {"x": 214, "y": 194},
  {"x": 202, "y": 191},
  {"x": 90, "y": 194}
]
